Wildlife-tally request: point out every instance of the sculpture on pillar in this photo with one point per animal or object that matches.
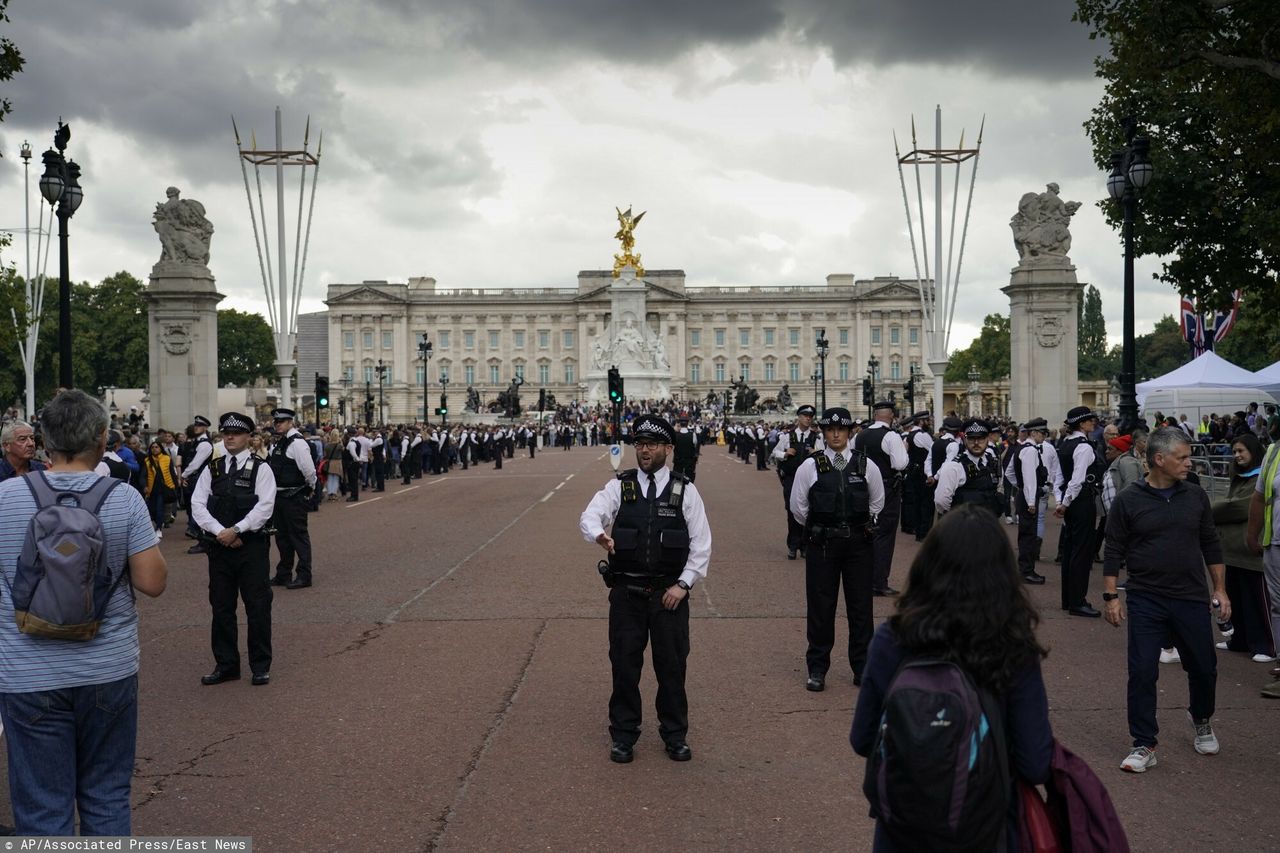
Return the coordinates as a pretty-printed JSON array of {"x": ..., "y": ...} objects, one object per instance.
[
  {"x": 784, "y": 398},
  {"x": 473, "y": 400},
  {"x": 626, "y": 234},
  {"x": 184, "y": 230},
  {"x": 1041, "y": 227}
]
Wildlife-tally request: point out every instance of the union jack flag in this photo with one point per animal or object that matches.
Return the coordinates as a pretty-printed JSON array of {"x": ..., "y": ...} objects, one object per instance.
[
  {"x": 1225, "y": 321},
  {"x": 1192, "y": 327}
]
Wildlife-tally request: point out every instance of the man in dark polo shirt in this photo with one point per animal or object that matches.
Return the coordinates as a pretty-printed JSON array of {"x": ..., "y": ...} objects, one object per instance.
[{"x": 1161, "y": 530}]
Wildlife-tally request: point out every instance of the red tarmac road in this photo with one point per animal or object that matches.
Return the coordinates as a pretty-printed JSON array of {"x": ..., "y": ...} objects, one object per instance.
[{"x": 444, "y": 686}]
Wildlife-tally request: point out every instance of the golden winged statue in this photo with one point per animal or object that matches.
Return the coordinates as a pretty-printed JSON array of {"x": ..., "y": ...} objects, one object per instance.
[{"x": 626, "y": 234}]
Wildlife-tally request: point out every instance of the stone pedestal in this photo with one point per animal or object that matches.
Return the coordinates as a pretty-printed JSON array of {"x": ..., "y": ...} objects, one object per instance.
[
  {"x": 637, "y": 351},
  {"x": 1044, "y": 302},
  {"x": 182, "y": 334}
]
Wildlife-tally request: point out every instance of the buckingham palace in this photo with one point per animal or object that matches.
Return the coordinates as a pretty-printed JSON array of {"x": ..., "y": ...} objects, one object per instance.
[{"x": 684, "y": 341}]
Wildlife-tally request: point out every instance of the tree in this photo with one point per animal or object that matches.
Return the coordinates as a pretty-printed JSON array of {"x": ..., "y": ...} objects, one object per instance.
[
  {"x": 989, "y": 352},
  {"x": 246, "y": 349},
  {"x": 1094, "y": 362},
  {"x": 1203, "y": 79},
  {"x": 11, "y": 61},
  {"x": 1160, "y": 350}
]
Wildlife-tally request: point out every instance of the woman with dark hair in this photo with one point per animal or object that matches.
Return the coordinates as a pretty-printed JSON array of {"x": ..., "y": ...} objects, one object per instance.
[
  {"x": 1246, "y": 586},
  {"x": 161, "y": 483},
  {"x": 965, "y": 603}
]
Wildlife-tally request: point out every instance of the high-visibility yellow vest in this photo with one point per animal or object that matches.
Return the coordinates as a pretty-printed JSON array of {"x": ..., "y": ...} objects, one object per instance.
[{"x": 1268, "y": 490}]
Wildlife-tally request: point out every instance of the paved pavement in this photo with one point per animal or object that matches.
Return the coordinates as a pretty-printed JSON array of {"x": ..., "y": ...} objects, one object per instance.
[{"x": 444, "y": 686}]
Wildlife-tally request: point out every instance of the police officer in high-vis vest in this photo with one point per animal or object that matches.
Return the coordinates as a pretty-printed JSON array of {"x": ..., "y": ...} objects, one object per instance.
[
  {"x": 659, "y": 546},
  {"x": 836, "y": 496},
  {"x": 295, "y": 473},
  {"x": 233, "y": 502},
  {"x": 793, "y": 447},
  {"x": 974, "y": 475}
]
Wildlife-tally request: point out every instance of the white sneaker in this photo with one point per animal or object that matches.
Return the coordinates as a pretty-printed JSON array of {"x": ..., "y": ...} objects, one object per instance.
[
  {"x": 1139, "y": 760},
  {"x": 1170, "y": 656},
  {"x": 1229, "y": 633},
  {"x": 1206, "y": 742},
  {"x": 1221, "y": 645},
  {"x": 1261, "y": 658}
]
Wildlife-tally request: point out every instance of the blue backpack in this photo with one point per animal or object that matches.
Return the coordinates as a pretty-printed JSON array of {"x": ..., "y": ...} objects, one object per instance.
[
  {"x": 938, "y": 778},
  {"x": 63, "y": 583}
]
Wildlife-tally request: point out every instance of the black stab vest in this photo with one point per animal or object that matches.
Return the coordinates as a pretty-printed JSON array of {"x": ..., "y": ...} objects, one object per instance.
[
  {"x": 917, "y": 456},
  {"x": 871, "y": 443},
  {"x": 938, "y": 453},
  {"x": 288, "y": 475},
  {"x": 837, "y": 497},
  {"x": 650, "y": 538},
  {"x": 1066, "y": 460},
  {"x": 981, "y": 483},
  {"x": 803, "y": 447},
  {"x": 1042, "y": 473},
  {"x": 232, "y": 498}
]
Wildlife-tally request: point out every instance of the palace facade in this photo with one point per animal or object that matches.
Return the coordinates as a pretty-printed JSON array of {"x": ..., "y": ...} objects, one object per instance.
[{"x": 484, "y": 337}]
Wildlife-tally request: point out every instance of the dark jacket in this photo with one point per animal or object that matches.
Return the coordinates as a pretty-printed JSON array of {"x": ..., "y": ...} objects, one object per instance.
[
  {"x": 1164, "y": 544},
  {"x": 1231, "y": 515},
  {"x": 1085, "y": 812},
  {"x": 1026, "y": 721}
]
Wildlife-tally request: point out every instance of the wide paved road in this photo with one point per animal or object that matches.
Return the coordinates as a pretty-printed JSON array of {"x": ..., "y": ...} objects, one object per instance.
[{"x": 444, "y": 686}]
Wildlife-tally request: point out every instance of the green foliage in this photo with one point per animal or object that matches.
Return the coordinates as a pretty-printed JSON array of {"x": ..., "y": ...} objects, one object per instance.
[
  {"x": 11, "y": 61},
  {"x": 989, "y": 352},
  {"x": 246, "y": 349},
  {"x": 1160, "y": 350},
  {"x": 1092, "y": 326},
  {"x": 1202, "y": 80}
]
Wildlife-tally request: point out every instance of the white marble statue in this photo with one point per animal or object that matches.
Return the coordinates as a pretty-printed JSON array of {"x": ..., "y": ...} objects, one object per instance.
[
  {"x": 184, "y": 231},
  {"x": 1041, "y": 227}
]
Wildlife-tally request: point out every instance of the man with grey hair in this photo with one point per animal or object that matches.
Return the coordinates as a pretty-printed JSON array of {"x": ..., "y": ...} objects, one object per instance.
[
  {"x": 70, "y": 709},
  {"x": 18, "y": 442},
  {"x": 1161, "y": 530}
]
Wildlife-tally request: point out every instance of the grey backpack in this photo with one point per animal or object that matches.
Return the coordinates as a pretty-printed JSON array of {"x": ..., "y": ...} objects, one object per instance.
[{"x": 63, "y": 583}]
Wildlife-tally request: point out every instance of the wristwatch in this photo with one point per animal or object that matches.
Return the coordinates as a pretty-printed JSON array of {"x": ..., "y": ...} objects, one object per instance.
[
  {"x": 683, "y": 585},
  {"x": 1110, "y": 596}
]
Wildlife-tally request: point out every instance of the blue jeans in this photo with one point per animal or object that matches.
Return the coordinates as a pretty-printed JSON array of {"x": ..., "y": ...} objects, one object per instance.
[
  {"x": 69, "y": 750},
  {"x": 1152, "y": 619}
]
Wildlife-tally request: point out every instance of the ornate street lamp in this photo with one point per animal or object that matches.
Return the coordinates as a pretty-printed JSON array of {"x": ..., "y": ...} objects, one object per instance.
[
  {"x": 975, "y": 392},
  {"x": 346, "y": 396},
  {"x": 382, "y": 372},
  {"x": 1131, "y": 172},
  {"x": 873, "y": 370},
  {"x": 813, "y": 377},
  {"x": 824, "y": 347},
  {"x": 444, "y": 397},
  {"x": 60, "y": 184},
  {"x": 424, "y": 352}
]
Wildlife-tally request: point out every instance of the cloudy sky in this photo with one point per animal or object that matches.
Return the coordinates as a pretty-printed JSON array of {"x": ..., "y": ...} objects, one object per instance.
[{"x": 486, "y": 142}]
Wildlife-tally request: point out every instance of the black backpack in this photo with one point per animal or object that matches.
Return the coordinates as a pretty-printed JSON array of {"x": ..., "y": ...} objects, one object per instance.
[{"x": 938, "y": 778}]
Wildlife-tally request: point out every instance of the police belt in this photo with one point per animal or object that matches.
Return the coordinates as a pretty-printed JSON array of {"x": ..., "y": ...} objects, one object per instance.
[
  {"x": 640, "y": 585},
  {"x": 842, "y": 531},
  {"x": 292, "y": 491},
  {"x": 248, "y": 536}
]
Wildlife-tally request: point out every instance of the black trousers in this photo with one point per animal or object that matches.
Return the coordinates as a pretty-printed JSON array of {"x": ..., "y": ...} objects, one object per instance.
[
  {"x": 925, "y": 511},
  {"x": 762, "y": 458},
  {"x": 406, "y": 467},
  {"x": 1078, "y": 550},
  {"x": 292, "y": 537},
  {"x": 826, "y": 567},
  {"x": 886, "y": 537},
  {"x": 795, "y": 530},
  {"x": 634, "y": 620},
  {"x": 379, "y": 476},
  {"x": 352, "y": 470},
  {"x": 241, "y": 571},
  {"x": 1028, "y": 542}
]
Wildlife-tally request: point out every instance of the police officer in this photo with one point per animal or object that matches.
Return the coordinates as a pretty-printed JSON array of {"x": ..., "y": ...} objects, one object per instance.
[
  {"x": 1032, "y": 471},
  {"x": 884, "y": 447},
  {"x": 974, "y": 475},
  {"x": 658, "y": 548},
  {"x": 836, "y": 496},
  {"x": 233, "y": 502},
  {"x": 201, "y": 453},
  {"x": 793, "y": 447},
  {"x": 917, "y": 502},
  {"x": 1080, "y": 466},
  {"x": 352, "y": 456},
  {"x": 295, "y": 473},
  {"x": 378, "y": 476},
  {"x": 686, "y": 450}
]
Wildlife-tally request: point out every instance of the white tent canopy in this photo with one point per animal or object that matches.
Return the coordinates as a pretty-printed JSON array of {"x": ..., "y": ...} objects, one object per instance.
[
  {"x": 1209, "y": 370},
  {"x": 1267, "y": 379}
]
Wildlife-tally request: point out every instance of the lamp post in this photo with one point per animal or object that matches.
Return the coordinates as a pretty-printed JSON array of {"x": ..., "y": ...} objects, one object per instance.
[
  {"x": 60, "y": 184},
  {"x": 346, "y": 396},
  {"x": 444, "y": 397},
  {"x": 1131, "y": 172},
  {"x": 368, "y": 403},
  {"x": 424, "y": 352},
  {"x": 382, "y": 372},
  {"x": 813, "y": 377},
  {"x": 823, "y": 347},
  {"x": 975, "y": 392},
  {"x": 873, "y": 370}
]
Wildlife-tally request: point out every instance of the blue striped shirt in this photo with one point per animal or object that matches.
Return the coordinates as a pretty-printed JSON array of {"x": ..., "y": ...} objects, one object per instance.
[{"x": 29, "y": 663}]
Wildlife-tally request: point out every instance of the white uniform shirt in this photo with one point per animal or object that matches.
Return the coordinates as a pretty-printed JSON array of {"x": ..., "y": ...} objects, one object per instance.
[
  {"x": 951, "y": 476},
  {"x": 1029, "y": 463},
  {"x": 602, "y": 509},
  {"x": 1081, "y": 458},
  {"x": 784, "y": 442},
  {"x": 892, "y": 446},
  {"x": 300, "y": 452},
  {"x": 264, "y": 486},
  {"x": 356, "y": 450},
  {"x": 204, "y": 450},
  {"x": 950, "y": 450},
  {"x": 807, "y": 475}
]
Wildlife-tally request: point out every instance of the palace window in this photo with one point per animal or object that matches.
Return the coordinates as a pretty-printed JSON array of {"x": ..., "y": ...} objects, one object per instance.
[
  {"x": 493, "y": 374},
  {"x": 745, "y": 370},
  {"x": 368, "y": 340},
  {"x": 444, "y": 373},
  {"x": 695, "y": 338},
  {"x": 794, "y": 337},
  {"x": 368, "y": 374},
  {"x": 844, "y": 371},
  {"x": 520, "y": 370},
  {"x": 544, "y": 374},
  {"x": 469, "y": 340},
  {"x": 793, "y": 371},
  {"x": 770, "y": 371},
  {"x": 895, "y": 335},
  {"x": 695, "y": 372},
  {"x": 844, "y": 337},
  {"x": 744, "y": 337},
  {"x": 348, "y": 340},
  {"x": 914, "y": 335},
  {"x": 875, "y": 336},
  {"x": 388, "y": 340},
  {"x": 419, "y": 373},
  {"x": 768, "y": 337},
  {"x": 568, "y": 373},
  {"x": 518, "y": 338},
  {"x": 719, "y": 372},
  {"x": 493, "y": 339},
  {"x": 349, "y": 373},
  {"x": 544, "y": 339},
  {"x": 568, "y": 339},
  {"x": 719, "y": 337},
  {"x": 469, "y": 373},
  {"x": 895, "y": 369}
]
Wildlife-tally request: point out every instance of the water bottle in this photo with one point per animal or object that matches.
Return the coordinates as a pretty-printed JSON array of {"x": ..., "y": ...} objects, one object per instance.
[{"x": 1224, "y": 625}]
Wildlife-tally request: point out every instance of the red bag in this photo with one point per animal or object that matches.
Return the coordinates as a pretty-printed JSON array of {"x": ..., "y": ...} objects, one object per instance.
[{"x": 1037, "y": 829}]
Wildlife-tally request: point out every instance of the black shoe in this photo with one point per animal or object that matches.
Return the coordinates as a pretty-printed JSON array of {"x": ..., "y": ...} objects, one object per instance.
[
  {"x": 260, "y": 678},
  {"x": 1084, "y": 609},
  {"x": 199, "y": 548},
  {"x": 679, "y": 751},
  {"x": 621, "y": 753},
  {"x": 817, "y": 682},
  {"x": 281, "y": 580},
  {"x": 189, "y": 534},
  {"x": 218, "y": 676},
  {"x": 298, "y": 583},
  {"x": 791, "y": 555},
  {"x": 352, "y": 500},
  {"x": 378, "y": 490},
  {"x": 885, "y": 592},
  {"x": 1032, "y": 577}
]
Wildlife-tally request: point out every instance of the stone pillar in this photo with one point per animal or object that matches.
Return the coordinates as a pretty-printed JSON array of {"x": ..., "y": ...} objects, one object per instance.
[
  {"x": 1044, "y": 301},
  {"x": 182, "y": 335}
]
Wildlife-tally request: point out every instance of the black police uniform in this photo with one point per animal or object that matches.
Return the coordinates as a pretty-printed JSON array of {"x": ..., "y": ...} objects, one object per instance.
[
  {"x": 685, "y": 456},
  {"x": 917, "y": 515},
  {"x": 981, "y": 484},
  {"x": 1028, "y": 516},
  {"x": 293, "y": 539},
  {"x": 1078, "y": 522},
  {"x": 651, "y": 546},
  {"x": 838, "y": 551},
  {"x": 238, "y": 571},
  {"x": 871, "y": 443},
  {"x": 787, "y": 467}
]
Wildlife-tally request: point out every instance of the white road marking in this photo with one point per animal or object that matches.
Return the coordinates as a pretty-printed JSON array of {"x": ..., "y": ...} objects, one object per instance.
[
  {"x": 410, "y": 489},
  {"x": 547, "y": 497},
  {"x": 363, "y": 502}
]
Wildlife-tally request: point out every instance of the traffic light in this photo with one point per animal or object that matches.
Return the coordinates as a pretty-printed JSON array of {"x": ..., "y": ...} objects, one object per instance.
[
  {"x": 909, "y": 392},
  {"x": 866, "y": 391},
  {"x": 542, "y": 399},
  {"x": 322, "y": 392},
  {"x": 442, "y": 411},
  {"x": 615, "y": 386}
]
